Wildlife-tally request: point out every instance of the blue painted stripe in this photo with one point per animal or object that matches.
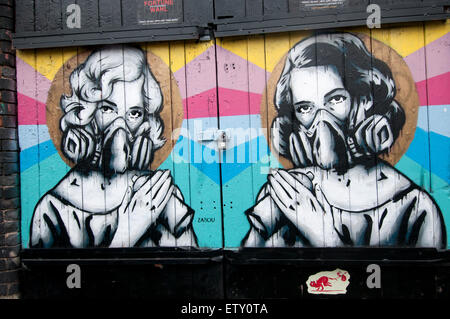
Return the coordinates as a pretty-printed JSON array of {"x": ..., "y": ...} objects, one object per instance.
[
  {"x": 440, "y": 155},
  {"x": 31, "y": 135},
  {"x": 206, "y": 159},
  {"x": 435, "y": 118},
  {"x": 35, "y": 154},
  {"x": 439, "y": 152}
]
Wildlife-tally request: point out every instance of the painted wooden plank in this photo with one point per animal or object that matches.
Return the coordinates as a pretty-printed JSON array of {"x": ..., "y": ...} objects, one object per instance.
[
  {"x": 415, "y": 135},
  {"x": 80, "y": 192},
  {"x": 72, "y": 55},
  {"x": 52, "y": 57},
  {"x": 204, "y": 168},
  {"x": 259, "y": 150},
  {"x": 233, "y": 77},
  {"x": 163, "y": 75},
  {"x": 180, "y": 169},
  {"x": 275, "y": 47},
  {"x": 369, "y": 179},
  {"x": 437, "y": 93},
  {"x": 26, "y": 82},
  {"x": 180, "y": 155},
  {"x": 318, "y": 86}
]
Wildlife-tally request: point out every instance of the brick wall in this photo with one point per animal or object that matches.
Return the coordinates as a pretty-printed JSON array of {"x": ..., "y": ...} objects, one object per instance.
[{"x": 9, "y": 159}]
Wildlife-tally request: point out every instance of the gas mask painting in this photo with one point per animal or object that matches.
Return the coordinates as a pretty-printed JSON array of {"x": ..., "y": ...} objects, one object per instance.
[
  {"x": 336, "y": 115},
  {"x": 111, "y": 129}
]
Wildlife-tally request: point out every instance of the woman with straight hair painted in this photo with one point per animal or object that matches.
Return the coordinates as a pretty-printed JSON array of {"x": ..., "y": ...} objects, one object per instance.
[{"x": 337, "y": 114}]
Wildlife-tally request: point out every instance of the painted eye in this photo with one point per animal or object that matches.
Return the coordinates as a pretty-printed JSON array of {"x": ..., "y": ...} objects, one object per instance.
[
  {"x": 134, "y": 114},
  {"x": 337, "y": 99},
  {"x": 304, "y": 108},
  {"x": 106, "y": 109}
]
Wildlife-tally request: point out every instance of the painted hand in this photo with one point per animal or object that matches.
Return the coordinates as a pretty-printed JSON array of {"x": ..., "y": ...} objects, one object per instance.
[
  {"x": 143, "y": 203},
  {"x": 295, "y": 196},
  {"x": 300, "y": 149}
]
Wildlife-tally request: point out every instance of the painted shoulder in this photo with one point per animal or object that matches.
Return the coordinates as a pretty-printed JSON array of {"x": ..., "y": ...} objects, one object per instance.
[
  {"x": 88, "y": 191},
  {"x": 361, "y": 188}
]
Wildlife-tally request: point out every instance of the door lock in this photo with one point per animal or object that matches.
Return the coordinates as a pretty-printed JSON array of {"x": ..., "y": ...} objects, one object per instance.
[
  {"x": 220, "y": 136},
  {"x": 221, "y": 140}
]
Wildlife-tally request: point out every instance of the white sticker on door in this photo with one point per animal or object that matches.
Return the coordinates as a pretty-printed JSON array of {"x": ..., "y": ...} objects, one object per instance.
[{"x": 329, "y": 282}]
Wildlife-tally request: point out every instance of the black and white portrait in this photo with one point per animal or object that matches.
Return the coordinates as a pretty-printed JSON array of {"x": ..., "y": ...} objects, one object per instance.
[
  {"x": 336, "y": 115},
  {"x": 111, "y": 128}
]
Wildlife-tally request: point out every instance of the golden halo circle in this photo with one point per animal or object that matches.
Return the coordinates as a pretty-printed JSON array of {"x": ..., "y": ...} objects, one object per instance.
[
  {"x": 406, "y": 96},
  {"x": 171, "y": 114}
]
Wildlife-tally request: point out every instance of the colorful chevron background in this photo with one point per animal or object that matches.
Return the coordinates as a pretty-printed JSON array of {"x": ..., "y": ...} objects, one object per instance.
[{"x": 236, "y": 83}]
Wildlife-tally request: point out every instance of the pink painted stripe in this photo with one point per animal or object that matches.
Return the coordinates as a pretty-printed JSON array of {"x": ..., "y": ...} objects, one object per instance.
[
  {"x": 234, "y": 102},
  {"x": 237, "y": 73},
  {"x": 30, "y": 82},
  {"x": 198, "y": 75},
  {"x": 201, "y": 105},
  {"x": 30, "y": 111},
  {"x": 438, "y": 90},
  {"x": 231, "y": 103},
  {"x": 437, "y": 56}
]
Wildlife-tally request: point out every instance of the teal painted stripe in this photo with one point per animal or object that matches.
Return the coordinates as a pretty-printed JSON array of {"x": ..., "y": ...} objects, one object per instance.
[
  {"x": 439, "y": 152},
  {"x": 239, "y": 194},
  {"x": 439, "y": 189},
  {"x": 34, "y": 154},
  {"x": 205, "y": 201},
  {"x": 35, "y": 182}
]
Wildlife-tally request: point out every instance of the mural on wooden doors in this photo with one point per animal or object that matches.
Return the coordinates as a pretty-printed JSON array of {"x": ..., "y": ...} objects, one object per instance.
[{"x": 333, "y": 139}]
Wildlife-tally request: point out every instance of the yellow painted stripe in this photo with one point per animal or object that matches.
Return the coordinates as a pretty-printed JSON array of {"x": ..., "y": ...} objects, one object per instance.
[
  {"x": 277, "y": 45},
  {"x": 436, "y": 29},
  {"x": 160, "y": 49},
  {"x": 177, "y": 55},
  {"x": 297, "y": 36},
  {"x": 256, "y": 54},
  {"x": 403, "y": 39},
  {"x": 48, "y": 61},
  {"x": 236, "y": 45},
  {"x": 194, "y": 49},
  {"x": 181, "y": 53},
  {"x": 408, "y": 39}
]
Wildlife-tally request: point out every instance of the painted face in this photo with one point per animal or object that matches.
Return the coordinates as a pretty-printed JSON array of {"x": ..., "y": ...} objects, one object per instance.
[
  {"x": 126, "y": 101},
  {"x": 318, "y": 88},
  {"x": 322, "y": 105},
  {"x": 118, "y": 118}
]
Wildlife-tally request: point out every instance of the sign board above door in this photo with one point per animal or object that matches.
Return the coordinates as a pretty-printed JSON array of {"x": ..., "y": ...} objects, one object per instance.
[{"x": 60, "y": 23}]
